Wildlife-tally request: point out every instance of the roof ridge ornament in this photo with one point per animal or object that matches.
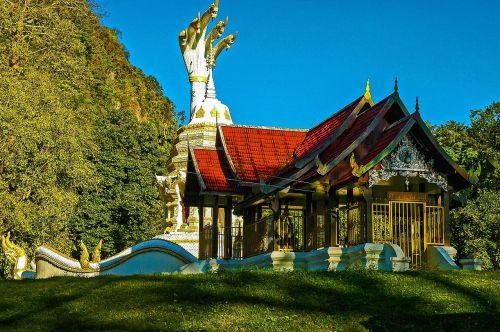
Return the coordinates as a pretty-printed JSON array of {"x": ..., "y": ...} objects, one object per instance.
[
  {"x": 417, "y": 106},
  {"x": 367, "y": 94},
  {"x": 396, "y": 88}
]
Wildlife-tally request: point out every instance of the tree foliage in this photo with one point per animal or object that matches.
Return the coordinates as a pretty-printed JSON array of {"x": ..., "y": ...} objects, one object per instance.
[
  {"x": 82, "y": 131},
  {"x": 476, "y": 147}
]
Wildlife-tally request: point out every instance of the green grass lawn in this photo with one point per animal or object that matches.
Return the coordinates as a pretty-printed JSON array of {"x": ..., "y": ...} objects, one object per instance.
[{"x": 257, "y": 301}]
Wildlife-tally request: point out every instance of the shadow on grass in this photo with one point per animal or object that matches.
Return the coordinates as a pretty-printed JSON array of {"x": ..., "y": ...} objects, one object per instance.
[
  {"x": 187, "y": 302},
  {"x": 438, "y": 322}
]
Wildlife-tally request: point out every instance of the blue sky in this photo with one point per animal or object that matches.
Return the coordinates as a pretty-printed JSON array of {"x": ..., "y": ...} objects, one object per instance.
[{"x": 296, "y": 62}]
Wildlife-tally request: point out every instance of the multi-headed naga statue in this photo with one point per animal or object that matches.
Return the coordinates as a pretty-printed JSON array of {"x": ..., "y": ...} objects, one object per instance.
[{"x": 199, "y": 52}]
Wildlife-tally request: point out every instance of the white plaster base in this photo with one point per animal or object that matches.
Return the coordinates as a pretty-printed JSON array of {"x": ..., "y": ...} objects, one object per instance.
[{"x": 471, "y": 264}]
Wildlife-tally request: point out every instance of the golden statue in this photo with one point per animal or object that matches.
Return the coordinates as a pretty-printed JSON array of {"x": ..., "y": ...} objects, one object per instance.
[{"x": 16, "y": 255}]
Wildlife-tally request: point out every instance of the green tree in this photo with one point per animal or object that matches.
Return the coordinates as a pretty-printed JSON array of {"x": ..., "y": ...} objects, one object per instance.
[
  {"x": 82, "y": 131},
  {"x": 476, "y": 147},
  {"x": 123, "y": 208}
]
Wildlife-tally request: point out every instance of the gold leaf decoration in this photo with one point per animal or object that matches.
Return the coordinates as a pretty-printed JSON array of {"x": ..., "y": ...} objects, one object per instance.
[
  {"x": 214, "y": 112},
  {"x": 354, "y": 165},
  {"x": 200, "y": 113},
  {"x": 322, "y": 168}
]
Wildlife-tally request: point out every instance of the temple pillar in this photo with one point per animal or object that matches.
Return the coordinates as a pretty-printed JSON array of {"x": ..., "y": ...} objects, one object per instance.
[
  {"x": 331, "y": 221},
  {"x": 215, "y": 228},
  {"x": 228, "y": 248},
  {"x": 201, "y": 211},
  {"x": 446, "y": 216},
  {"x": 368, "y": 195},
  {"x": 349, "y": 201},
  {"x": 246, "y": 222},
  {"x": 308, "y": 216},
  {"x": 276, "y": 217}
]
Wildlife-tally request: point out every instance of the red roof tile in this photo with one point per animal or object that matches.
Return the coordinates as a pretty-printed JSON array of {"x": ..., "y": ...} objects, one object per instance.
[
  {"x": 359, "y": 127},
  {"x": 384, "y": 140},
  {"x": 215, "y": 171},
  {"x": 319, "y": 133},
  {"x": 256, "y": 151}
]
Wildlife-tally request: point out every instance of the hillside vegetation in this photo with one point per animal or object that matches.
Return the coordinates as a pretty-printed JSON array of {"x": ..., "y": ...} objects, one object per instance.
[
  {"x": 257, "y": 301},
  {"x": 82, "y": 131},
  {"x": 475, "y": 224}
]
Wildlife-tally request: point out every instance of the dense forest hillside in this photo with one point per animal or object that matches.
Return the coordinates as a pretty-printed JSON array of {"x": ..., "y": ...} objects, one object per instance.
[{"x": 82, "y": 131}]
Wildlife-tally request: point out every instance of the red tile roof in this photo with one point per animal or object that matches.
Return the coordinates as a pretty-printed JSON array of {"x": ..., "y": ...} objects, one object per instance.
[
  {"x": 359, "y": 127},
  {"x": 257, "y": 151},
  {"x": 384, "y": 140},
  {"x": 214, "y": 170},
  {"x": 319, "y": 133}
]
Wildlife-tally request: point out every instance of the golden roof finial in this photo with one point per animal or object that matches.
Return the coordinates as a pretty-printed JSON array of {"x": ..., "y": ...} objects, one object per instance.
[
  {"x": 417, "y": 106},
  {"x": 367, "y": 90},
  {"x": 396, "y": 88}
]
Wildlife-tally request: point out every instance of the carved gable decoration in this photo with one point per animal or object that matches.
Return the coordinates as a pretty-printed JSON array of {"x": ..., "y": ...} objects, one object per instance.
[{"x": 407, "y": 161}]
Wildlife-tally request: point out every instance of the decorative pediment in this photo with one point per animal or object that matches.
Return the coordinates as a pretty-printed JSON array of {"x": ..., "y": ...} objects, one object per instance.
[{"x": 407, "y": 161}]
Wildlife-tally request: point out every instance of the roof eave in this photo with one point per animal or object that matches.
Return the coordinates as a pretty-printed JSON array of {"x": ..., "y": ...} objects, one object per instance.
[
  {"x": 201, "y": 182},
  {"x": 301, "y": 162},
  {"x": 459, "y": 170}
]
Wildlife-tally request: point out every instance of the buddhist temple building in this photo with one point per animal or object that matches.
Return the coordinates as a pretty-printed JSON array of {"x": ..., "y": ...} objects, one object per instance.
[
  {"x": 370, "y": 173},
  {"x": 368, "y": 187}
]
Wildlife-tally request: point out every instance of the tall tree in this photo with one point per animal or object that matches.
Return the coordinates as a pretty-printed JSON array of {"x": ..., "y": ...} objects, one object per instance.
[
  {"x": 82, "y": 131},
  {"x": 476, "y": 226}
]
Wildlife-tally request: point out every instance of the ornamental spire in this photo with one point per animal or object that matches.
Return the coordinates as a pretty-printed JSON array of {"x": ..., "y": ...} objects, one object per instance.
[
  {"x": 417, "y": 106},
  {"x": 211, "y": 86},
  {"x": 210, "y": 93},
  {"x": 396, "y": 88}
]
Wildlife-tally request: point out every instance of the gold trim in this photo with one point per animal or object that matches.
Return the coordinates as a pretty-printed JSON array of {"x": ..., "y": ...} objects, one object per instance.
[{"x": 203, "y": 79}]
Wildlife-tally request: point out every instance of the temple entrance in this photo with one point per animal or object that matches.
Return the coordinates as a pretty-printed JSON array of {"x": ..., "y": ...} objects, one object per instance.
[{"x": 408, "y": 221}]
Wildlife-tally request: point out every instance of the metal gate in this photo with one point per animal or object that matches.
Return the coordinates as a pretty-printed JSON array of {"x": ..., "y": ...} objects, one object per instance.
[
  {"x": 408, "y": 220},
  {"x": 410, "y": 225}
]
